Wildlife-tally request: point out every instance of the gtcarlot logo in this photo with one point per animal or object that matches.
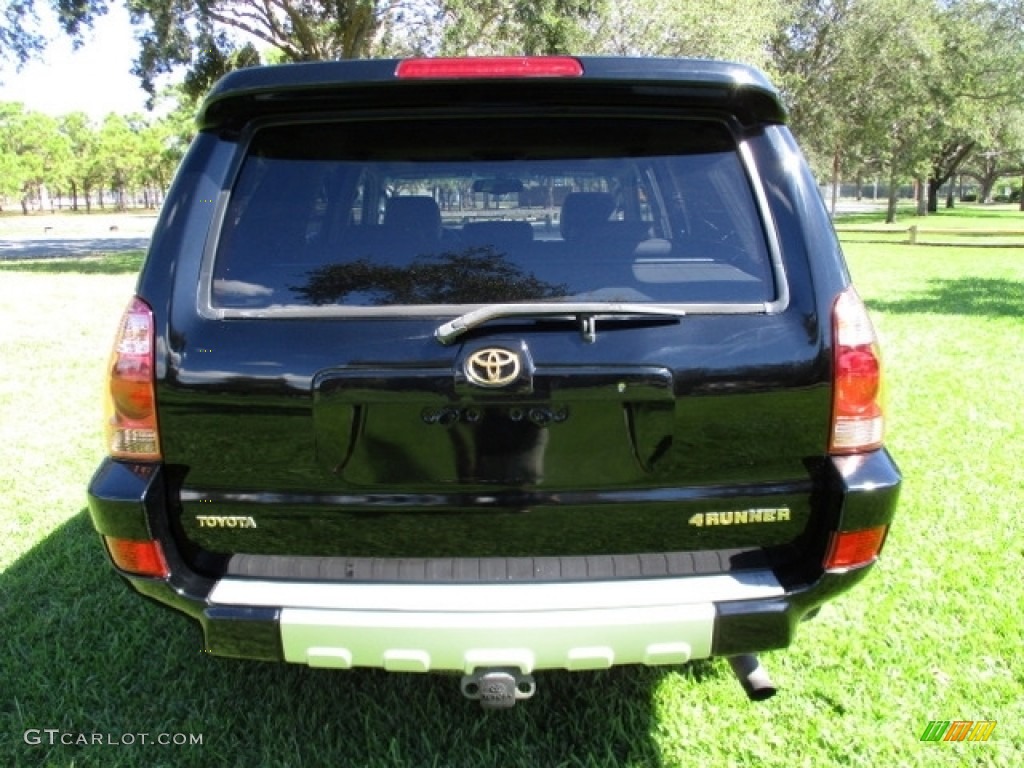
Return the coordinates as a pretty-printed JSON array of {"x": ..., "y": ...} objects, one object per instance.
[{"x": 54, "y": 736}]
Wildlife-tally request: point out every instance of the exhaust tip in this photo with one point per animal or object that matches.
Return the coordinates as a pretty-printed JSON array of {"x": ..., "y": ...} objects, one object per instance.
[{"x": 753, "y": 677}]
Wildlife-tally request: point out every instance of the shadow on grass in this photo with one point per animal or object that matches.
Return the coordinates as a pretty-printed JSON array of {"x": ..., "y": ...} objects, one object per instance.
[
  {"x": 123, "y": 263},
  {"x": 973, "y": 297},
  {"x": 83, "y": 654}
]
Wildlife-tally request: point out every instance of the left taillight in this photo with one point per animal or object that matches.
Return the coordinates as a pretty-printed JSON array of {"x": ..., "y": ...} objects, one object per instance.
[{"x": 131, "y": 425}]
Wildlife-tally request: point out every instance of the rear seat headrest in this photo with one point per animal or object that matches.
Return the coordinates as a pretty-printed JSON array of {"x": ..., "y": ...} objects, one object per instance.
[
  {"x": 582, "y": 212},
  {"x": 417, "y": 214}
]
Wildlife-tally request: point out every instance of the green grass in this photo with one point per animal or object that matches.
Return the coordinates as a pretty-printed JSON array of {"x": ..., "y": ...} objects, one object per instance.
[
  {"x": 119, "y": 263},
  {"x": 987, "y": 226},
  {"x": 933, "y": 633},
  {"x": 964, "y": 215}
]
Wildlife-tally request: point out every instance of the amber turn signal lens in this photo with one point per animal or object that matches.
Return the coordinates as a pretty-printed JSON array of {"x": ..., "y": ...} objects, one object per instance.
[
  {"x": 853, "y": 549},
  {"x": 142, "y": 558}
]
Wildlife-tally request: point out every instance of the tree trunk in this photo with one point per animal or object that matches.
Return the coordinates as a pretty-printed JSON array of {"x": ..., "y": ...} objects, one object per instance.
[
  {"x": 890, "y": 210},
  {"x": 933, "y": 195},
  {"x": 987, "y": 184},
  {"x": 945, "y": 166},
  {"x": 923, "y": 195},
  {"x": 835, "y": 181}
]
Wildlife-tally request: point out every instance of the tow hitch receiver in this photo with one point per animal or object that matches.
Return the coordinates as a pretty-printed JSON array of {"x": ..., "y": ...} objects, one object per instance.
[{"x": 498, "y": 688}]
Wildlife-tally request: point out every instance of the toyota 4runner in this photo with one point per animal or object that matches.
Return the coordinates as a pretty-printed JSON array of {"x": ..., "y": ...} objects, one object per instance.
[{"x": 495, "y": 366}]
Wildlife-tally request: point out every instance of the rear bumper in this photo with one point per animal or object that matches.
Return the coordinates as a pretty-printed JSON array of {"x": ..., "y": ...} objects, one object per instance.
[{"x": 462, "y": 627}]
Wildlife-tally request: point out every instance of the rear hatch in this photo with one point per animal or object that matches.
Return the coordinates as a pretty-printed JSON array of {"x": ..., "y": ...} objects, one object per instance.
[{"x": 547, "y": 335}]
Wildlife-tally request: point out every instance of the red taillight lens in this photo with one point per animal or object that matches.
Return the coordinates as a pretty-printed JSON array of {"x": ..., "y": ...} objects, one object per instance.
[
  {"x": 131, "y": 405},
  {"x": 852, "y": 549},
  {"x": 493, "y": 66},
  {"x": 143, "y": 558},
  {"x": 857, "y": 421}
]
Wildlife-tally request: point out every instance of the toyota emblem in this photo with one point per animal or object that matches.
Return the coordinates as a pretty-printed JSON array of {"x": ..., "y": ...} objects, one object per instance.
[{"x": 493, "y": 367}]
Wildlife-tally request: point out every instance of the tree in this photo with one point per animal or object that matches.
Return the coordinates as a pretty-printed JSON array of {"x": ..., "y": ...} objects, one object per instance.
[
  {"x": 11, "y": 170},
  {"x": 34, "y": 154},
  {"x": 20, "y": 38},
  {"x": 731, "y": 29},
  {"x": 204, "y": 35},
  {"x": 118, "y": 153},
  {"x": 515, "y": 27},
  {"x": 82, "y": 140},
  {"x": 160, "y": 153},
  {"x": 983, "y": 56},
  {"x": 899, "y": 84},
  {"x": 72, "y": 156},
  {"x": 1000, "y": 152},
  {"x": 860, "y": 77}
]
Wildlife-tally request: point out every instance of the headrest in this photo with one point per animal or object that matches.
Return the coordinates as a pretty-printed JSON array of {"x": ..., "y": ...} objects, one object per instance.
[
  {"x": 417, "y": 213},
  {"x": 583, "y": 212}
]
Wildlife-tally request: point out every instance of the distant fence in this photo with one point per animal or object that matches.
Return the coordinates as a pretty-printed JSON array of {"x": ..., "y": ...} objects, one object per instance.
[{"x": 916, "y": 235}]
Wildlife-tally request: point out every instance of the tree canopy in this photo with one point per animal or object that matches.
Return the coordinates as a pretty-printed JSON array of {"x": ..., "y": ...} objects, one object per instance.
[
  {"x": 210, "y": 37},
  {"x": 20, "y": 37},
  {"x": 901, "y": 89},
  {"x": 726, "y": 29},
  {"x": 75, "y": 159}
]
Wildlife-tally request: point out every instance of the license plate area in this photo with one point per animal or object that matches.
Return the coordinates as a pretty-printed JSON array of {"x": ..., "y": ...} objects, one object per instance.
[{"x": 589, "y": 430}]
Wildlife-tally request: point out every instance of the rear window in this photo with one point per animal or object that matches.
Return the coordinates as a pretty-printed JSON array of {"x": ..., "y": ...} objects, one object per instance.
[{"x": 474, "y": 211}]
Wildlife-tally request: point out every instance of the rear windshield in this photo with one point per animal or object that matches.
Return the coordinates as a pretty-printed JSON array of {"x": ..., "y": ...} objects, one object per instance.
[{"x": 478, "y": 211}]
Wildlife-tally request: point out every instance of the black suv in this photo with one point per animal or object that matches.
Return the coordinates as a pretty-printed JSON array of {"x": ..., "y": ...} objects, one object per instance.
[{"x": 495, "y": 365}]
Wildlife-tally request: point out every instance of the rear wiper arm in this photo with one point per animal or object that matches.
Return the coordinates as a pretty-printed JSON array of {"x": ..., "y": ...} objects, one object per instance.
[{"x": 586, "y": 311}]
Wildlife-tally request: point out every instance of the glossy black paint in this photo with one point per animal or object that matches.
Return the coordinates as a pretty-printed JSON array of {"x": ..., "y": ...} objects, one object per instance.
[
  {"x": 252, "y": 93},
  {"x": 360, "y": 437},
  {"x": 121, "y": 496},
  {"x": 677, "y": 422}
]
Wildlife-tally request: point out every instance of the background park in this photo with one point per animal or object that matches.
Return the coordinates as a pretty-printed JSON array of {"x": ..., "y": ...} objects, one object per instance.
[{"x": 917, "y": 96}]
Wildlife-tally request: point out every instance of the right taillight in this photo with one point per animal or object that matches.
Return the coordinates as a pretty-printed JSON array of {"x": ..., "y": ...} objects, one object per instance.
[
  {"x": 857, "y": 421},
  {"x": 131, "y": 404}
]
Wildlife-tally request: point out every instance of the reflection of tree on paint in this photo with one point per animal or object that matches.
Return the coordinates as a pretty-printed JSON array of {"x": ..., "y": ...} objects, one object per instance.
[{"x": 476, "y": 275}]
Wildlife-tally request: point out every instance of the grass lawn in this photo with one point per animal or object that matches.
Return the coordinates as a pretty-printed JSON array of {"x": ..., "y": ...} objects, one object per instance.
[
  {"x": 971, "y": 226},
  {"x": 934, "y": 633}
]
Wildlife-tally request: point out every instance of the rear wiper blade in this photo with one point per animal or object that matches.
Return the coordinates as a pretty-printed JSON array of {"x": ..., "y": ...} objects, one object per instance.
[{"x": 587, "y": 312}]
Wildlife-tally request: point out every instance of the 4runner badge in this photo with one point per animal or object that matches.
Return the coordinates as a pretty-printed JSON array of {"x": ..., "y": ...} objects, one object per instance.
[
  {"x": 741, "y": 517},
  {"x": 493, "y": 367}
]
